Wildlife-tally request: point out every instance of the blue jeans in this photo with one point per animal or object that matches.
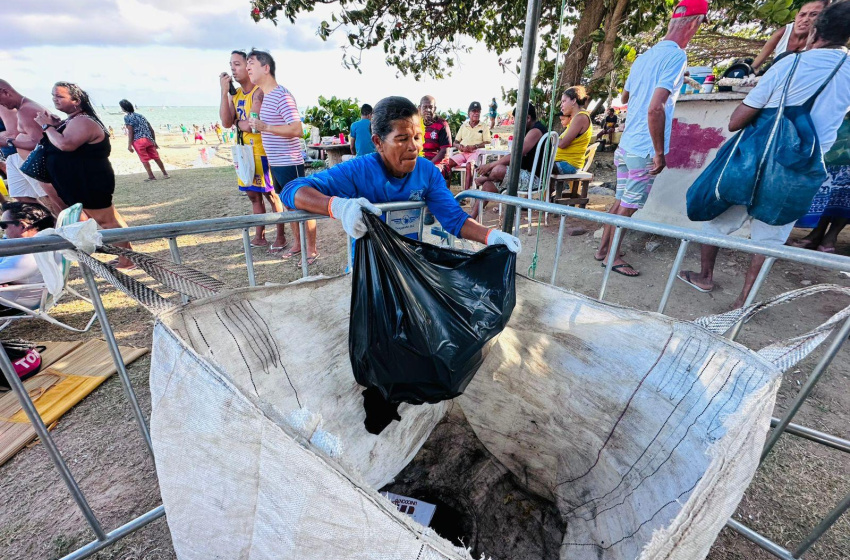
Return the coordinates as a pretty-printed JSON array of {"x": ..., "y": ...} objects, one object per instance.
[{"x": 565, "y": 168}]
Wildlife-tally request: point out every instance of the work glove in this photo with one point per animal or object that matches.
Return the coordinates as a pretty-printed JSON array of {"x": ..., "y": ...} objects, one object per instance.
[
  {"x": 349, "y": 211},
  {"x": 498, "y": 237}
]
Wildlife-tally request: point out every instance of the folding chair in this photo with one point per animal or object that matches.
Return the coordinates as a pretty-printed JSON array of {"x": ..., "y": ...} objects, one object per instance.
[{"x": 68, "y": 216}]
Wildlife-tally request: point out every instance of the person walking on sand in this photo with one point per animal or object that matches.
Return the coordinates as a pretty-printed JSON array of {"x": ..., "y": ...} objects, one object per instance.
[
  {"x": 235, "y": 110},
  {"x": 199, "y": 135},
  {"x": 280, "y": 127},
  {"x": 651, "y": 91},
  {"x": 185, "y": 132},
  {"x": 142, "y": 139}
]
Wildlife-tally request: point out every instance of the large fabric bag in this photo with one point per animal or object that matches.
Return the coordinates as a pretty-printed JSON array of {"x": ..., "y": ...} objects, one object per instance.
[
  {"x": 773, "y": 166},
  {"x": 645, "y": 430},
  {"x": 243, "y": 160}
]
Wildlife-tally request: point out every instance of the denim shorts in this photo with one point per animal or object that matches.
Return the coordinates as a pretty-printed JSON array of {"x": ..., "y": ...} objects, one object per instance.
[{"x": 565, "y": 168}]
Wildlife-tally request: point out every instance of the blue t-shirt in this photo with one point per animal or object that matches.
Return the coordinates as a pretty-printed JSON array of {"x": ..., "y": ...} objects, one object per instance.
[
  {"x": 662, "y": 66},
  {"x": 367, "y": 177},
  {"x": 361, "y": 131}
]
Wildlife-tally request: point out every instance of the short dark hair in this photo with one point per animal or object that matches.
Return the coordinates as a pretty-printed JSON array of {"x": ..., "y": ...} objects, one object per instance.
[
  {"x": 264, "y": 58},
  {"x": 532, "y": 112},
  {"x": 391, "y": 109},
  {"x": 240, "y": 53},
  {"x": 365, "y": 110},
  {"x": 833, "y": 24},
  {"x": 126, "y": 105},
  {"x": 33, "y": 213}
]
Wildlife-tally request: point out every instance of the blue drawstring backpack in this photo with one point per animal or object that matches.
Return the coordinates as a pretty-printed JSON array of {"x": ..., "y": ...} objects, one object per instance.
[{"x": 774, "y": 166}]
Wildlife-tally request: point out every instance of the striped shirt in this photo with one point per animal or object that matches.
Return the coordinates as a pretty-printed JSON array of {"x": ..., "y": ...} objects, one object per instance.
[{"x": 279, "y": 108}]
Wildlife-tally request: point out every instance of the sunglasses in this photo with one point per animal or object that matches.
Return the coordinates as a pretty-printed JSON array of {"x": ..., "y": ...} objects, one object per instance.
[{"x": 4, "y": 225}]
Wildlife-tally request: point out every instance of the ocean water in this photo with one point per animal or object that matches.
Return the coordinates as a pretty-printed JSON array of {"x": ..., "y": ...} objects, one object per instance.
[{"x": 160, "y": 117}]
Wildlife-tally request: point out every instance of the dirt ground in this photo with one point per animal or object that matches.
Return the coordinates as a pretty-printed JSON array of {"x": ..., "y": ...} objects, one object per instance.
[{"x": 797, "y": 485}]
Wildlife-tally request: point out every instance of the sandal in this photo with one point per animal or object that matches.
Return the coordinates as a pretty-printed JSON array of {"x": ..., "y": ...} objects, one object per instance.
[
  {"x": 687, "y": 280},
  {"x": 311, "y": 260},
  {"x": 618, "y": 268},
  {"x": 622, "y": 254},
  {"x": 290, "y": 253}
]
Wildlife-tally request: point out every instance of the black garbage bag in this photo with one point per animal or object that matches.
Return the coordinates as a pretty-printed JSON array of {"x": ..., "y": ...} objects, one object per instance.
[{"x": 422, "y": 315}]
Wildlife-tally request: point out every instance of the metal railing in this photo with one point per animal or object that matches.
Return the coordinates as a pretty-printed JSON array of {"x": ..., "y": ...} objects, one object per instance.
[{"x": 173, "y": 231}]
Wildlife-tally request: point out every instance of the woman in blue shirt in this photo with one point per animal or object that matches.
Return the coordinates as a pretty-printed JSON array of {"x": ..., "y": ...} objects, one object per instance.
[{"x": 394, "y": 173}]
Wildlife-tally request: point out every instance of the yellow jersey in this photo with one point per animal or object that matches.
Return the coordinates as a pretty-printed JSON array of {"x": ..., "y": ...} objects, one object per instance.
[
  {"x": 574, "y": 153},
  {"x": 243, "y": 103}
]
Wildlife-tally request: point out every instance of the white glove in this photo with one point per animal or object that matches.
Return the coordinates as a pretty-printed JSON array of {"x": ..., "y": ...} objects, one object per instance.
[
  {"x": 349, "y": 211},
  {"x": 498, "y": 237}
]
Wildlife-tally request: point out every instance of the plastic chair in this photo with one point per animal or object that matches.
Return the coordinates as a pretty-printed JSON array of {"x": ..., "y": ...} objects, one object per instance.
[
  {"x": 551, "y": 139},
  {"x": 68, "y": 216}
]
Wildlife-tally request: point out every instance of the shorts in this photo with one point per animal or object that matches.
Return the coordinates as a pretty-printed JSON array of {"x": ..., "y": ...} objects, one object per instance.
[
  {"x": 20, "y": 184},
  {"x": 145, "y": 149},
  {"x": 284, "y": 174},
  {"x": 565, "y": 168},
  {"x": 462, "y": 158},
  {"x": 736, "y": 217},
  {"x": 524, "y": 180},
  {"x": 262, "y": 176},
  {"x": 633, "y": 179}
]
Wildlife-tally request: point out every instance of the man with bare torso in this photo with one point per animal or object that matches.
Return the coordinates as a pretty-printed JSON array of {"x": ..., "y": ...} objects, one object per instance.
[{"x": 24, "y": 136}]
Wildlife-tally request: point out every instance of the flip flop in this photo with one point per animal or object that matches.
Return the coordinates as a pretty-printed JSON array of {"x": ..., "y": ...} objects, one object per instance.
[
  {"x": 823, "y": 249},
  {"x": 687, "y": 280},
  {"x": 311, "y": 260},
  {"x": 289, "y": 254},
  {"x": 258, "y": 245},
  {"x": 148, "y": 180},
  {"x": 618, "y": 269}
]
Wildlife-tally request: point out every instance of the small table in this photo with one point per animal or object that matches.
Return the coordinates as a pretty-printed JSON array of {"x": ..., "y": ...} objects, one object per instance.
[{"x": 334, "y": 152}]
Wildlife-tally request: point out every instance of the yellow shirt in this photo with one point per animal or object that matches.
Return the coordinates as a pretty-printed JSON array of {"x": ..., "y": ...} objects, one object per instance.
[
  {"x": 470, "y": 136},
  {"x": 574, "y": 153},
  {"x": 243, "y": 103}
]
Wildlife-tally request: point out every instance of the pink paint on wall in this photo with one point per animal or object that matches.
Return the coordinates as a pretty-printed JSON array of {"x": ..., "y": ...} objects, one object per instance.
[{"x": 691, "y": 143}]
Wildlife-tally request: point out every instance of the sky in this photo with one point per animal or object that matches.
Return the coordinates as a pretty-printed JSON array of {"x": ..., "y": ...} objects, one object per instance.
[{"x": 170, "y": 52}]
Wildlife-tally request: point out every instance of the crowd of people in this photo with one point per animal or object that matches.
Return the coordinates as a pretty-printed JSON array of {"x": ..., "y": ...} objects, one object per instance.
[{"x": 406, "y": 152}]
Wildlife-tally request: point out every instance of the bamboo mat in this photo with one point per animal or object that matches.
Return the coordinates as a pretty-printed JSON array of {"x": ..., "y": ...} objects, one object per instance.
[{"x": 70, "y": 371}]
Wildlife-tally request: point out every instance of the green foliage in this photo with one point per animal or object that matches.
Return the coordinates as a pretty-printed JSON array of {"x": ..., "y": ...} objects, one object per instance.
[
  {"x": 779, "y": 12},
  {"x": 333, "y": 115},
  {"x": 454, "y": 118}
]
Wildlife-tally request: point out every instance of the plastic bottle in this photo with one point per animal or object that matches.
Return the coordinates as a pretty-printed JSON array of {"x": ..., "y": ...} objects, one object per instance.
[
  {"x": 494, "y": 142},
  {"x": 510, "y": 141},
  {"x": 707, "y": 85},
  {"x": 254, "y": 116},
  {"x": 341, "y": 138}
]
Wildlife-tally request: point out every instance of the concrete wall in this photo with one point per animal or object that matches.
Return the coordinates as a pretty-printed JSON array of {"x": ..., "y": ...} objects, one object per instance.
[{"x": 699, "y": 128}]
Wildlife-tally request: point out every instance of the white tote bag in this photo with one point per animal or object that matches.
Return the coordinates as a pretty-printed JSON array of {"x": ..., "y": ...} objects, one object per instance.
[{"x": 243, "y": 160}]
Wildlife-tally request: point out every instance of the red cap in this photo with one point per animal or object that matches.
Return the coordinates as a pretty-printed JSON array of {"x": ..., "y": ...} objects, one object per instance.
[{"x": 687, "y": 8}]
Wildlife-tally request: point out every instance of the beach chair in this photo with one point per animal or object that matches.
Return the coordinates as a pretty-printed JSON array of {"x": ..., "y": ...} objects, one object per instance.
[
  {"x": 68, "y": 216},
  {"x": 550, "y": 142},
  {"x": 579, "y": 182}
]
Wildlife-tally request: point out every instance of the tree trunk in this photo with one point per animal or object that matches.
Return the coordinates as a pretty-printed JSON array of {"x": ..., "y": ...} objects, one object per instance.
[
  {"x": 605, "y": 50},
  {"x": 580, "y": 46}
]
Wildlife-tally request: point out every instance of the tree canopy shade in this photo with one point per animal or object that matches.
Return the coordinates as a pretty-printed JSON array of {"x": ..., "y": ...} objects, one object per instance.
[{"x": 425, "y": 37}]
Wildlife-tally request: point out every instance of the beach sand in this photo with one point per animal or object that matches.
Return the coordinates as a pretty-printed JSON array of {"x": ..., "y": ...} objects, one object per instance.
[{"x": 174, "y": 152}]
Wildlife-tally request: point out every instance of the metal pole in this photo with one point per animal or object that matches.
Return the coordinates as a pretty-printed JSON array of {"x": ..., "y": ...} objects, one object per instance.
[
  {"x": 807, "y": 388},
  {"x": 765, "y": 270},
  {"x": 529, "y": 54},
  {"x": 249, "y": 257},
  {"x": 615, "y": 244},
  {"x": 421, "y": 224},
  {"x": 757, "y": 538},
  {"x": 823, "y": 526},
  {"x": 117, "y": 534},
  {"x": 677, "y": 264},
  {"x": 302, "y": 230},
  {"x": 38, "y": 424},
  {"x": 175, "y": 258},
  {"x": 822, "y": 438},
  {"x": 558, "y": 248},
  {"x": 91, "y": 284}
]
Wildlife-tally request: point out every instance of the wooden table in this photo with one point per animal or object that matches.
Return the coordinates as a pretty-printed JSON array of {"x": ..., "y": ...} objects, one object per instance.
[{"x": 333, "y": 151}]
